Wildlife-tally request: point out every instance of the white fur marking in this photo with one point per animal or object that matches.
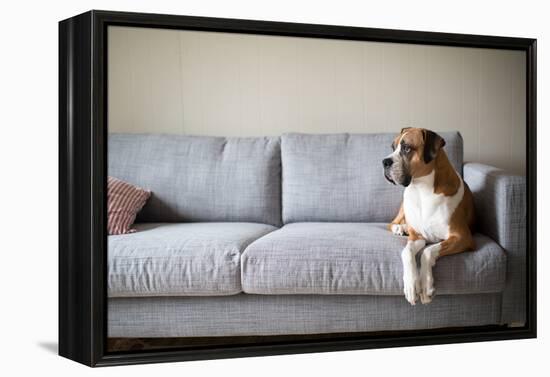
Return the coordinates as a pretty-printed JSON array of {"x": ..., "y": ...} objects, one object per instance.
[{"x": 397, "y": 147}]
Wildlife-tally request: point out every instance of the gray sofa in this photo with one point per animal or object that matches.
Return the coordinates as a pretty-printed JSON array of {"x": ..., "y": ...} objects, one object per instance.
[{"x": 273, "y": 236}]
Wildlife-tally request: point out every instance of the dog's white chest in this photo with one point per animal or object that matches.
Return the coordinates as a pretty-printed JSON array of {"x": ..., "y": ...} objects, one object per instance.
[{"x": 428, "y": 213}]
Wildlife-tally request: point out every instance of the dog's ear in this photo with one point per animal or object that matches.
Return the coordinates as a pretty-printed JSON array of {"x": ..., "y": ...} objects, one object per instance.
[{"x": 432, "y": 144}]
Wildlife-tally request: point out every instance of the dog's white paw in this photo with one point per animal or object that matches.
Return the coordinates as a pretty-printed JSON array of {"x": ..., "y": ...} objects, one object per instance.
[
  {"x": 427, "y": 290},
  {"x": 399, "y": 229},
  {"x": 410, "y": 284}
]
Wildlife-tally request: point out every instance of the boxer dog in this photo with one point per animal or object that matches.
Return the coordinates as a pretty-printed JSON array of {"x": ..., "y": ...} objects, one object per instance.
[{"x": 437, "y": 207}]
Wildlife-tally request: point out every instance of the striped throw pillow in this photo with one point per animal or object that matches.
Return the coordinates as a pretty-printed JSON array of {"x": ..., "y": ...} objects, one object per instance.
[{"x": 124, "y": 201}]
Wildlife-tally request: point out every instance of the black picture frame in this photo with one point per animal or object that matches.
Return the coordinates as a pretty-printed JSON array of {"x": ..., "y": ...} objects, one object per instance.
[{"x": 82, "y": 183}]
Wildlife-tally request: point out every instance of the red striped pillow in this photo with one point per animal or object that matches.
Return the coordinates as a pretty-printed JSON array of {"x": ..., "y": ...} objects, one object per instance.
[{"x": 124, "y": 201}]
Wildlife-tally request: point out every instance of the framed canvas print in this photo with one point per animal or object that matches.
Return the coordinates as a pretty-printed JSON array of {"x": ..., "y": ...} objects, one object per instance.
[{"x": 236, "y": 188}]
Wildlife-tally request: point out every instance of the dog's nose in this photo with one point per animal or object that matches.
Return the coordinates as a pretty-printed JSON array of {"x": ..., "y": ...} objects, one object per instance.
[{"x": 387, "y": 162}]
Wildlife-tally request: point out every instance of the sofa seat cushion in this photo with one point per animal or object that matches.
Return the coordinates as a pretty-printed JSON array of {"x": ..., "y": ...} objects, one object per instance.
[
  {"x": 358, "y": 258},
  {"x": 179, "y": 259}
]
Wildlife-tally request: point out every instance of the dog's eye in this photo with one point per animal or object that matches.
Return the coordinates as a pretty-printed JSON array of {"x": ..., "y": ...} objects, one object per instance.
[
  {"x": 406, "y": 148},
  {"x": 392, "y": 146}
]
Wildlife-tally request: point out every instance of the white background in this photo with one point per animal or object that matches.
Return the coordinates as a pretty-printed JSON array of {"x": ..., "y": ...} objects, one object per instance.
[{"x": 28, "y": 161}]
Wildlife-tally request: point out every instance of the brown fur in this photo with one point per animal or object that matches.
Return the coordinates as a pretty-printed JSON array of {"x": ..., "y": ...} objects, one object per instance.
[
  {"x": 446, "y": 181},
  {"x": 460, "y": 227}
]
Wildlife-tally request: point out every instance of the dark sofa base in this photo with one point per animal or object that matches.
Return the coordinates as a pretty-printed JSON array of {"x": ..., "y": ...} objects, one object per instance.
[
  {"x": 148, "y": 344},
  {"x": 261, "y": 315}
]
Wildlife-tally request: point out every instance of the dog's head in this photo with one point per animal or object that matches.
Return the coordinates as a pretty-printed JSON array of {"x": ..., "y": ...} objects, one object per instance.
[{"x": 414, "y": 152}]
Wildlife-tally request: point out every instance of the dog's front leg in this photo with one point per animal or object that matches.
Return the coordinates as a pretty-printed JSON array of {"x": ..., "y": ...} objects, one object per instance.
[
  {"x": 427, "y": 261},
  {"x": 458, "y": 242},
  {"x": 410, "y": 272}
]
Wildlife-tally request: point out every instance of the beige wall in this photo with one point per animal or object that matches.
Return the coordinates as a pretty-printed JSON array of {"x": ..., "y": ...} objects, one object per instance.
[{"x": 169, "y": 81}]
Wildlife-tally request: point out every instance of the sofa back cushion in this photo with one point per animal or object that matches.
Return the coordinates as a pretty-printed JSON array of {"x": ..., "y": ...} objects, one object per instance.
[
  {"x": 339, "y": 177},
  {"x": 201, "y": 178}
]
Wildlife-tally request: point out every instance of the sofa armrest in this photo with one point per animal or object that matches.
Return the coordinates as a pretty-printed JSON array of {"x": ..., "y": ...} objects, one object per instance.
[{"x": 501, "y": 213}]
